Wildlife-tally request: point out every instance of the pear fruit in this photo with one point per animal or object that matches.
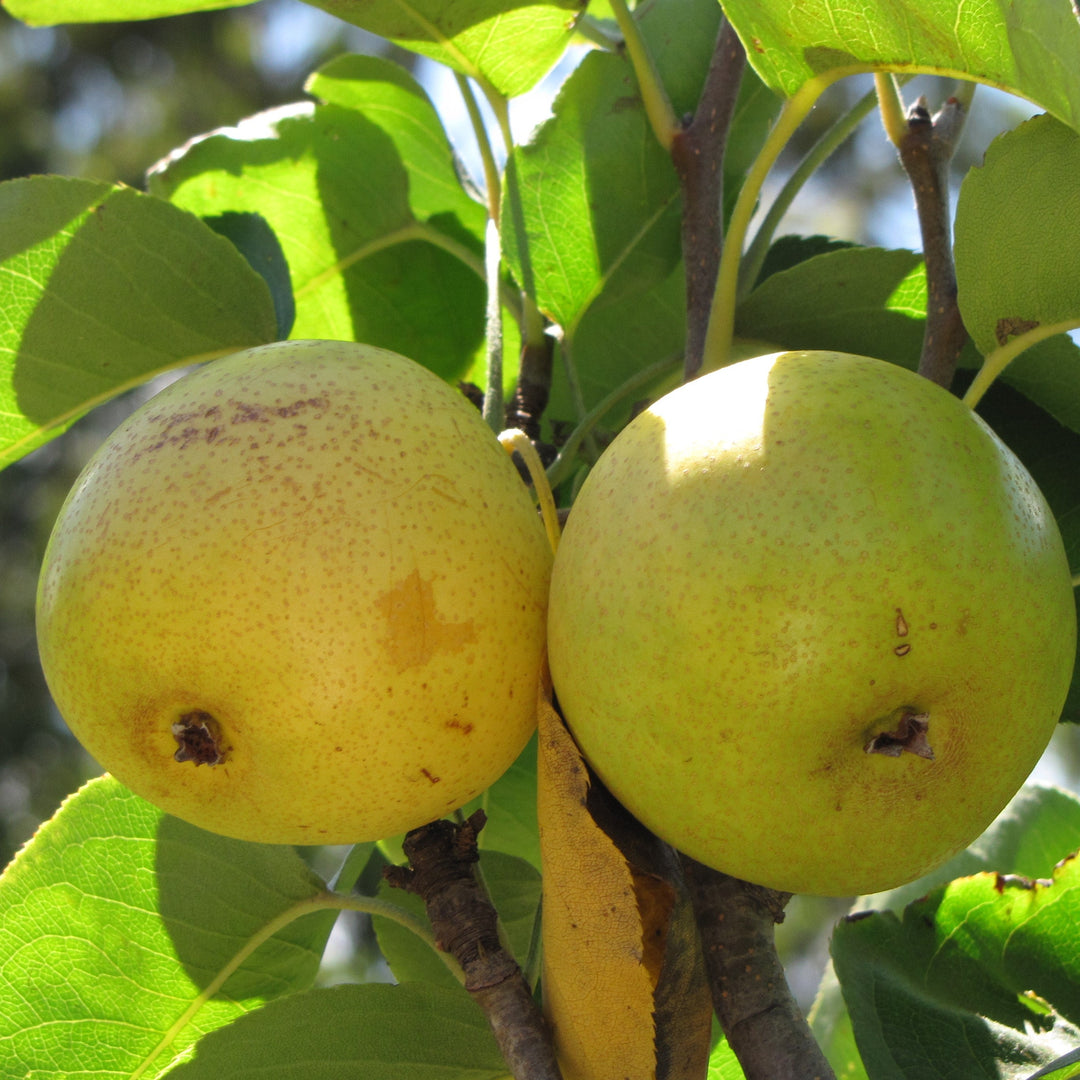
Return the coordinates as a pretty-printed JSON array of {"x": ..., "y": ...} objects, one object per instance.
[
  {"x": 299, "y": 596},
  {"x": 812, "y": 622}
]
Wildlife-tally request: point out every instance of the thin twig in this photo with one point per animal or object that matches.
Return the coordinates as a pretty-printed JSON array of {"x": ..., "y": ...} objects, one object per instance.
[
  {"x": 926, "y": 149},
  {"x": 763, "y": 1024},
  {"x": 697, "y": 151},
  {"x": 441, "y": 857}
]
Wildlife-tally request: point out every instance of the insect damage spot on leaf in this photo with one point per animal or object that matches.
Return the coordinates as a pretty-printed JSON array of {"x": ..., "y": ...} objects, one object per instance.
[
  {"x": 1013, "y": 327},
  {"x": 198, "y": 736},
  {"x": 908, "y": 736}
]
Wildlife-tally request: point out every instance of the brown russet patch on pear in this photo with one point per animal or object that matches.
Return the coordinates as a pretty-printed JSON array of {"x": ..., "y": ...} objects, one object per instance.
[{"x": 416, "y": 632}]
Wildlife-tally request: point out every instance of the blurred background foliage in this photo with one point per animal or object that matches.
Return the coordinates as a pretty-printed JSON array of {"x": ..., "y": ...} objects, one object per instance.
[{"x": 106, "y": 101}]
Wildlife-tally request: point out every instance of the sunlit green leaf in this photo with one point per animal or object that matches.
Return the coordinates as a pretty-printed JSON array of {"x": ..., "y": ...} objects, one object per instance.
[
  {"x": 1031, "y": 47},
  {"x": 510, "y": 44},
  {"x": 51, "y": 12},
  {"x": 383, "y": 244},
  {"x": 118, "y": 922},
  {"x": 102, "y": 287}
]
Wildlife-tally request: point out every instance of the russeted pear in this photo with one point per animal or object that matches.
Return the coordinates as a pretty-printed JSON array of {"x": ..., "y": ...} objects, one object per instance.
[
  {"x": 812, "y": 622},
  {"x": 299, "y": 596}
]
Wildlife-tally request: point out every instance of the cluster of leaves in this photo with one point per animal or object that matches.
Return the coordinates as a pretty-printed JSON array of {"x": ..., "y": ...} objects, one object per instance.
[{"x": 135, "y": 945}]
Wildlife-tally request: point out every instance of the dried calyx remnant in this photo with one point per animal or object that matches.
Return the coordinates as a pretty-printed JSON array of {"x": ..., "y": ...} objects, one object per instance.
[
  {"x": 199, "y": 739},
  {"x": 909, "y": 736}
]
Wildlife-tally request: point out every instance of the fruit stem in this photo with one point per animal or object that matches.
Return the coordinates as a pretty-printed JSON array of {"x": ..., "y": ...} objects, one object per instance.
[
  {"x": 830, "y": 141},
  {"x": 721, "y": 329},
  {"x": 494, "y": 408},
  {"x": 515, "y": 441},
  {"x": 560, "y": 468},
  {"x": 487, "y": 157},
  {"x": 997, "y": 361},
  {"x": 657, "y": 103}
]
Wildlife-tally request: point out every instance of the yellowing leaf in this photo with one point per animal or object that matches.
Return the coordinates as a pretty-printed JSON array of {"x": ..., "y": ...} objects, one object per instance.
[{"x": 598, "y": 990}]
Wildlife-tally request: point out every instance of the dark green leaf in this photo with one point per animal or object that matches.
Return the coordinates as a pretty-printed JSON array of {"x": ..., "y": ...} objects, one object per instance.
[
  {"x": 509, "y": 44},
  {"x": 119, "y": 922},
  {"x": 255, "y": 240},
  {"x": 510, "y": 805},
  {"x": 1039, "y": 827},
  {"x": 1018, "y": 257},
  {"x": 867, "y": 301},
  {"x": 980, "y": 976},
  {"x": 102, "y": 287},
  {"x": 514, "y": 887},
  {"x": 375, "y": 1031},
  {"x": 789, "y": 251},
  {"x": 1026, "y": 46},
  {"x": 1050, "y": 451}
]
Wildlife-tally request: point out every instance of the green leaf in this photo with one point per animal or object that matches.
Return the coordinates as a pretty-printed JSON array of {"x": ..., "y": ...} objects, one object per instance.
[
  {"x": 374, "y": 1031},
  {"x": 383, "y": 244},
  {"x": 508, "y": 44},
  {"x": 1030, "y": 47},
  {"x": 102, "y": 287},
  {"x": 255, "y": 240},
  {"x": 868, "y": 301},
  {"x": 119, "y": 921},
  {"x": 51, "y": 12},
  {"x": 514, "y": 887},
  {"x": 614, "y": 340},
  {"x": 510, "y": 805},
  {"x": 592, "y": 202},
  {"x": 1029, "y": 837},
  {"x": 982, "y": 975},
  {"x": 1018, "y": 257},
  {"x": 387, "y": 95},
  {"x": 723, "y": 1064}
]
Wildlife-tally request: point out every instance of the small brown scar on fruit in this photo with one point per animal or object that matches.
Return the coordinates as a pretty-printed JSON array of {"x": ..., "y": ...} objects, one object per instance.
[
  {"x": 198, "y": 737},
  {"x": 902, "y": 650},
  {"x": 901, "y": 624},
  {"x": 465, "y": 728},
  {"x": 433, "y": 779},
  {"x": 909, "y": 736}
]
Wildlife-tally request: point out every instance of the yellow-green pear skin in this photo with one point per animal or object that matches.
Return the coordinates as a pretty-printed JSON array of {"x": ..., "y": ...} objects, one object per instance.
[
  {"x": 812, "y": 622},
  {"x": 311, "y": 570}
]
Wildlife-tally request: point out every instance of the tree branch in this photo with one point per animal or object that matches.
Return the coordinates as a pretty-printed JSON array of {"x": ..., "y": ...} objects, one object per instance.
[
  {"x": 926, "y": 148},
  {"x": 697, "y": 151},
  {"x": 441, "y": 856},
  {"x": 762, "y": 1021}
]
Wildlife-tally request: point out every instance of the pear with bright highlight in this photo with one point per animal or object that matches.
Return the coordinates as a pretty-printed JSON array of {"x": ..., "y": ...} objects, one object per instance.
[
  {"x": 812, "y": 622},
  {"x": 299, "y": 597}
]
